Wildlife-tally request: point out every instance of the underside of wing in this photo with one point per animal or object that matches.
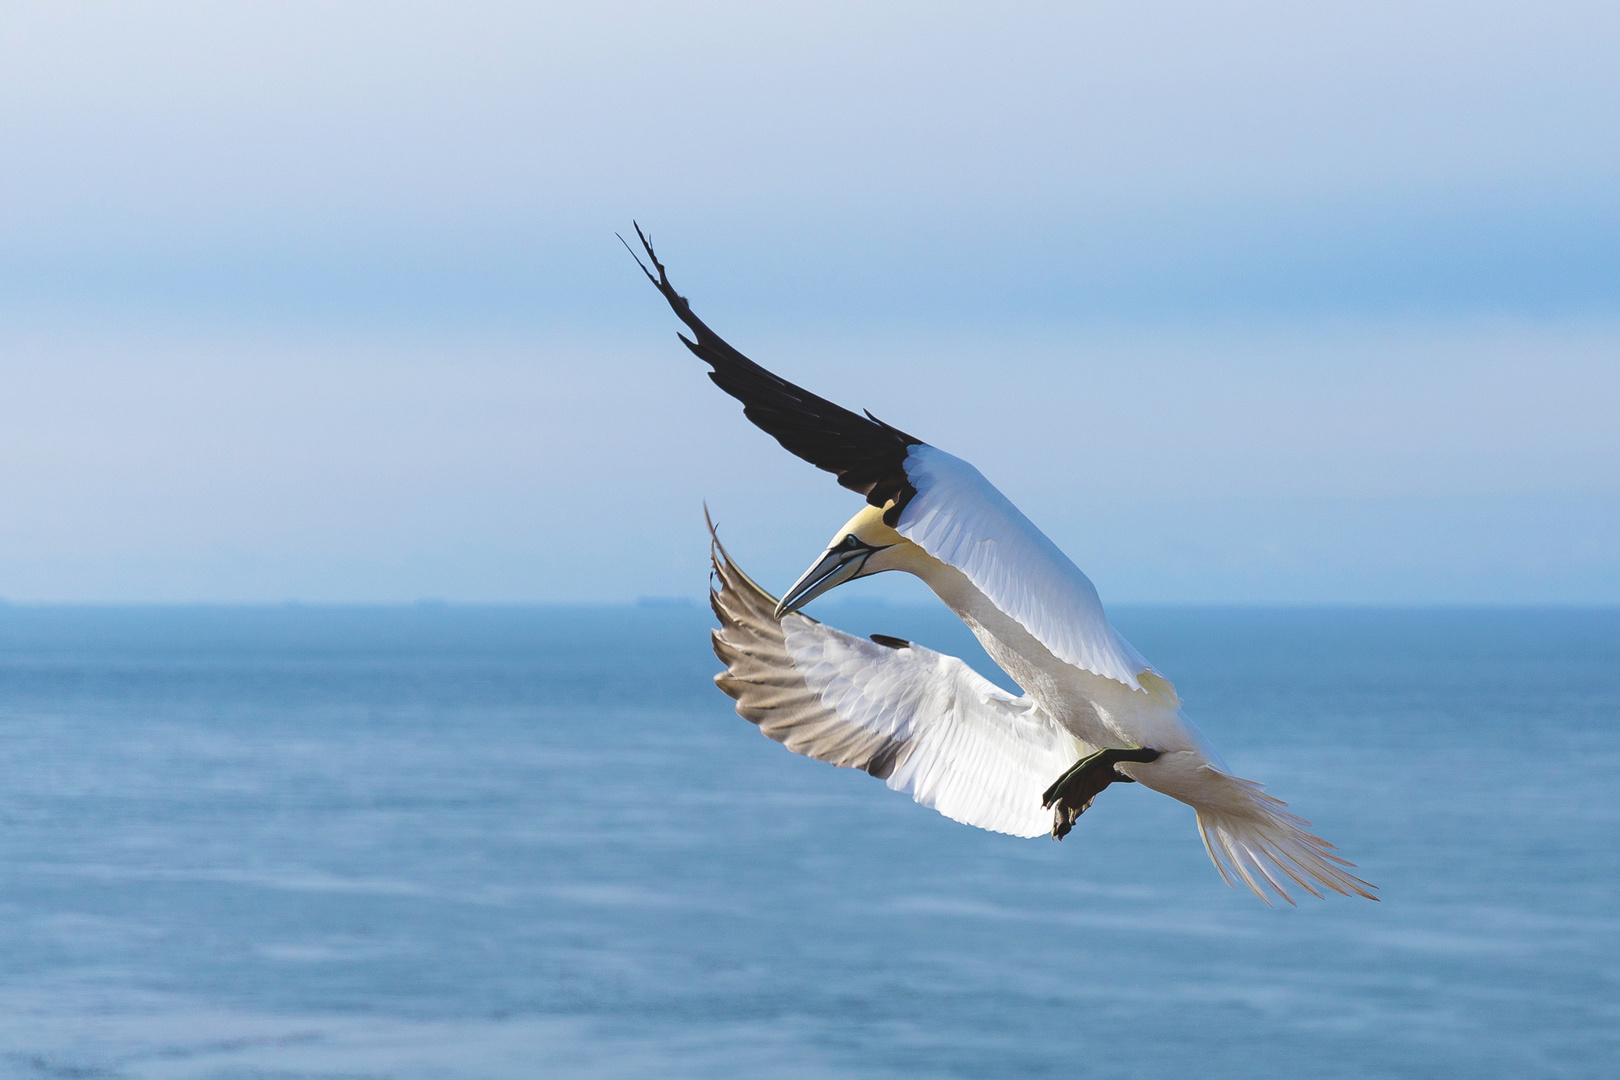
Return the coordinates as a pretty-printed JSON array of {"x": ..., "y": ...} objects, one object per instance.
[
  {"x": 925, "y": 723},
  {"x": 865, "y": 454},
  {"x": 959, "y": 518}
]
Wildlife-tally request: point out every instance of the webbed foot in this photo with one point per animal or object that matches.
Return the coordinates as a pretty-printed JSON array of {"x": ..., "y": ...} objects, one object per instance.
[{"x": 1073, "y": 793}]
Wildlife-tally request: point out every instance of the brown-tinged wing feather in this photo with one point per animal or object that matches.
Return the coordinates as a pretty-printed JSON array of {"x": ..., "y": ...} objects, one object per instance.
[
  {"x": 924, "y": 723},
  {"x": 770, "y": 692}
]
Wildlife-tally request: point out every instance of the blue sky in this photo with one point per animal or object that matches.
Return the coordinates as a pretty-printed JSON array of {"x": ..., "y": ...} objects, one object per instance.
[{"x": 1242, "y": 302}]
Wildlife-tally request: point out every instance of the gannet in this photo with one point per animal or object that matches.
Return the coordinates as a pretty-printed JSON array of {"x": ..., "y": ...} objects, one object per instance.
[{"x": 1093, "y": 712}]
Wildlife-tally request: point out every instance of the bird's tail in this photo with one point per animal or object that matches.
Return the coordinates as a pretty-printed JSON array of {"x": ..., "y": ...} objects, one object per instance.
[{"x": 1253, "y": 837}]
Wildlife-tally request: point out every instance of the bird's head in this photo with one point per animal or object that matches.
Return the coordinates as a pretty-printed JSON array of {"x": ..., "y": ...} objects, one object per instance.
[{"x": 863, "y": 547}]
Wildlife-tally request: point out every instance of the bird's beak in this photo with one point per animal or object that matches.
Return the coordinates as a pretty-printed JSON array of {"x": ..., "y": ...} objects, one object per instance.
[{"x": 841, "y": 563}]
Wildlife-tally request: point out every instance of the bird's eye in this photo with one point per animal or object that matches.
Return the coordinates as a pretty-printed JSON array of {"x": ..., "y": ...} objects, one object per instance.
[{"x": 850, "y": 541}]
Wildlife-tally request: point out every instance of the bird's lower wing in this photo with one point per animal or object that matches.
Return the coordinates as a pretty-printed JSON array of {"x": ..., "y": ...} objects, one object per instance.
[{"x": 926, "y": 723}]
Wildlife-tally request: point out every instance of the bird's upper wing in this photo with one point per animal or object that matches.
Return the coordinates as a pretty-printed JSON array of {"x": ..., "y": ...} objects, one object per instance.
[
  {"x": 866, "y": 454},
  {"x": 937, "y": 501},
  {"x": 925, "y": 723},
  {"x": 959, "y": 518}
]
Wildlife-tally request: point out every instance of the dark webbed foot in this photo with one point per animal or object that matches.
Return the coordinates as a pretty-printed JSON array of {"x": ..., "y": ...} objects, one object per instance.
[{"x": 1073, "y": 792}]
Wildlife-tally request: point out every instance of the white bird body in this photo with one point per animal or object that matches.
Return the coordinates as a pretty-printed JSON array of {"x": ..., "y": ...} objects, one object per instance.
[
  {"x": 926, "y": 723},
  {"x": 1000, "y": 562},
  {"x": 1133, "y": 706},
  {"x": 1096, "y": 710}
]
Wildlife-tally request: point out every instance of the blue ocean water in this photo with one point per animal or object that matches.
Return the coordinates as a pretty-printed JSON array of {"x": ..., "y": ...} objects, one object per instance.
[{"x": 441, "y": 842}]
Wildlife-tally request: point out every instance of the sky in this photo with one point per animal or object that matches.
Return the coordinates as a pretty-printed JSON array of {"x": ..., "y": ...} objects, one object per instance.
[{"x": 1240, "y": 302}]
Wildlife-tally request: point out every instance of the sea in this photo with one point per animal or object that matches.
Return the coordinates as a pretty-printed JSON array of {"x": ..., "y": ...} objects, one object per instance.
[{"x": 442, "y": 841}]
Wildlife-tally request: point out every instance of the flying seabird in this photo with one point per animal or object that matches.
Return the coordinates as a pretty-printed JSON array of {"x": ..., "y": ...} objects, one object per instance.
[{"x": 1093, "y": 712}]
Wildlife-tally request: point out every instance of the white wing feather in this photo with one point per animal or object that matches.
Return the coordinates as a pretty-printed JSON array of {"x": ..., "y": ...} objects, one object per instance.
[
  {"x": 924, "y": 722},
  {"x": 971, "y": 751},
  {"x": 959, "y": 518}
]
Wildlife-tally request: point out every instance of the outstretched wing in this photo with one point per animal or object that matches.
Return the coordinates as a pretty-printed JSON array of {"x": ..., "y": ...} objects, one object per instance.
[
  {"x": 866, "y": 454},
  {"x": 924, "y": 722},
  {"x": 937, "y": 501},
  {"x": 959, "y": 518}
]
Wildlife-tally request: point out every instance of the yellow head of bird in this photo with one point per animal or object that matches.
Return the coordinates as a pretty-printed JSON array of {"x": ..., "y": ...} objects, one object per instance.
[{"x": 863, "y": 546}]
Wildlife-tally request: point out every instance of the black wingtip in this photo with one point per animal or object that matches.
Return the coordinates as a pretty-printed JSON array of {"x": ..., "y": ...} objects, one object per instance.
[
  {"x": 866, "y": 454},
  {"x": 661, "y": 282},
  {"x": 661, "y": 279},
  {"x": 636, "y": 257}
]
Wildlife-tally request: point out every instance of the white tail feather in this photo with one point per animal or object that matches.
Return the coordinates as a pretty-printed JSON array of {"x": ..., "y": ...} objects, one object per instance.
[{"x": 1263, "y": 837}]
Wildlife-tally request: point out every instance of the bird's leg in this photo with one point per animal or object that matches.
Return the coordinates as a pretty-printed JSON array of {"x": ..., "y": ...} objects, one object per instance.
[{"x": 1073, "y": 792}]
